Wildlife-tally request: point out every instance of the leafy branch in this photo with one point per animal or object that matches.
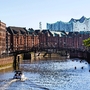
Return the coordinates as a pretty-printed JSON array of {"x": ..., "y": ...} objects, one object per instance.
[{"x": 86, "y": 43}]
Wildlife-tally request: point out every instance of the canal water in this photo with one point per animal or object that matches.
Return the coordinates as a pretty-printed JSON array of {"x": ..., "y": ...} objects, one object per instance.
[{"x": 49, "y": 74}]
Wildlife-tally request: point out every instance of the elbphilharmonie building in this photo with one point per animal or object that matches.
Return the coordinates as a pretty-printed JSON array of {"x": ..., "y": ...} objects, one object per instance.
[{"x": 82, "y": 24}]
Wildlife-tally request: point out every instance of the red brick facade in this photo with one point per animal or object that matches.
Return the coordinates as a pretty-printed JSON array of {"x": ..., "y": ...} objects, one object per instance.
[
  {"x": 2, "y": 37},
  {"x": 74, "y": 42},
  {"x": 20, "y": 39}
]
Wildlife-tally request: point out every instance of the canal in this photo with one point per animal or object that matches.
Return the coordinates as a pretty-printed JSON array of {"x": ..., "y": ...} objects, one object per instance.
[{"x": 49, "y": 74}]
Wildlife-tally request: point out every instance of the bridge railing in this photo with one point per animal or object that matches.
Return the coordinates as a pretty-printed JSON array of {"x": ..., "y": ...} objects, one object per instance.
[{"x": 38, "y": 48}]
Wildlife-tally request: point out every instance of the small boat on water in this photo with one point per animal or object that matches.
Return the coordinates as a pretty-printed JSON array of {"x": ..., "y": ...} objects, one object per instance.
[{"x": 19, "y": 76}]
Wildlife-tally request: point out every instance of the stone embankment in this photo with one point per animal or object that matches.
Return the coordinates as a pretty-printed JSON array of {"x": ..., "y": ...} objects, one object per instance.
[{"x": 6, "y": 62}]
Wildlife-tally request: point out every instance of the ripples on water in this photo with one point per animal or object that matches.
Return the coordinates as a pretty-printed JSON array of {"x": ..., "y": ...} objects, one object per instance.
[{"x": 50, "y": 75}]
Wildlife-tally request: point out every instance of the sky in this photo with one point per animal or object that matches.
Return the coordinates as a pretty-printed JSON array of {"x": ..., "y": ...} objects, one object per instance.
[{"x": 28, "y": 13}]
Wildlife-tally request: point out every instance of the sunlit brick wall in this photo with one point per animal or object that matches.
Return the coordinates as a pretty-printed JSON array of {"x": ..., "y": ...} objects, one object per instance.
[{"x": 2, "y": 37}]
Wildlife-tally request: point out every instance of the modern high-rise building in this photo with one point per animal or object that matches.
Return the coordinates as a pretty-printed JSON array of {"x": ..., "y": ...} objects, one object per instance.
[{"x": 82, "y": 24}]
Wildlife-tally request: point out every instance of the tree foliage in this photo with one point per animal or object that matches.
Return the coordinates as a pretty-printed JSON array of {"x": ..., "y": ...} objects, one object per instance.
[{"x": 86, "y": 43}]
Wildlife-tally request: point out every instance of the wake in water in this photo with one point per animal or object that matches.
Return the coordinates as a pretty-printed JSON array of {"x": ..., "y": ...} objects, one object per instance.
[{"x": 6, "y": 83}]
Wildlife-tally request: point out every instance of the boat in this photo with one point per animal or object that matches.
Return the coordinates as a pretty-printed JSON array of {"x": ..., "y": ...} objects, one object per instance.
[{"x": 19, "y": 76}]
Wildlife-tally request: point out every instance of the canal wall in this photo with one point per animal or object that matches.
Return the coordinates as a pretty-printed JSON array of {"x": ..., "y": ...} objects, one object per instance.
[
  {"x": 6, "y": 62},
  {"x": 80, "y": 54},
  {"x": 88, "y": 57},
  {"x": 9, "y": 61}
]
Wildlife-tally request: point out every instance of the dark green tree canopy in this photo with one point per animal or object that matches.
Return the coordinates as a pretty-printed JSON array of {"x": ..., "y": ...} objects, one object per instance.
[{"x": 87, "y": 42}]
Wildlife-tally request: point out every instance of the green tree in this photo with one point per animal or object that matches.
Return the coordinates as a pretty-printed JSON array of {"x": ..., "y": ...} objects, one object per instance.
[{"x": 86, "y": 43}]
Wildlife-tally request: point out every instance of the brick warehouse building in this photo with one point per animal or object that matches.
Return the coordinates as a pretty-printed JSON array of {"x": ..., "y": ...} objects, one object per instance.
[
  {"x": 2, "y": 37},
  {"x": 71, "y": 40},
  {"x": 16, "y": 38},
  {"x": 19, "y": 38}
]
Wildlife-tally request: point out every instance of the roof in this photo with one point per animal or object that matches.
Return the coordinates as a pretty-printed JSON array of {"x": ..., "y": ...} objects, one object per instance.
[
  {"x": 72, "y": 33},
  {"x": 84, "y": 32},
  {"x": 37, "y": 32},
  {"x": 31, "y": 31},
  {"x": 47, "y": 31},
  {"x": 16, "y": 30},
  {"x": 59, "y": 33}
]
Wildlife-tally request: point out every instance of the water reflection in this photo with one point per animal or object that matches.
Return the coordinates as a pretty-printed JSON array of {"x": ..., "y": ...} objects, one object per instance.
[
  {"x": 89, "y": 67},
  {"x": 6, "y": 70}
]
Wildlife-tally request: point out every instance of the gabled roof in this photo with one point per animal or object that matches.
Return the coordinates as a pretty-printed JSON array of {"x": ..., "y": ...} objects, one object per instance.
[
  {"x": 47, "y": 31},
  {"x": 73, "y": 33},
  {"x": 58, "y": 33},
  {"x": 44, "y": 31},
  {"x": 16, "y": 30},
  {"x": 31, "y": 31},
  {"x": 37, "y": 32}
]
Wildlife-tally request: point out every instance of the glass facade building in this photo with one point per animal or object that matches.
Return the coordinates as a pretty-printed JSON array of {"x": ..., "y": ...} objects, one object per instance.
[{"x": 82, "y": 24}]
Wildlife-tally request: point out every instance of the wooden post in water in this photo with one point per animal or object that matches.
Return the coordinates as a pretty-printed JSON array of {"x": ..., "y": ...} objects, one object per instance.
[
  {"x": 14, "y": 63},
  {"x": 18, "y": 62}
]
